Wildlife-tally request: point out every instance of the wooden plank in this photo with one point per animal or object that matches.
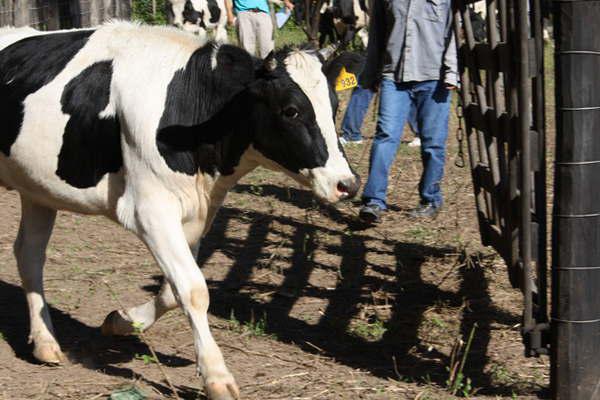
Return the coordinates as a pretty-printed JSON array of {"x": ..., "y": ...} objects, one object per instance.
[{"x": 21, "y": 15}]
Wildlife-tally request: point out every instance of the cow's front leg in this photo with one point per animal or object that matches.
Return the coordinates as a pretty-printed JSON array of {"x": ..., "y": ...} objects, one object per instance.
[
  {"x": 30, "y": 251},
  {"x": 160, "y": 228}
]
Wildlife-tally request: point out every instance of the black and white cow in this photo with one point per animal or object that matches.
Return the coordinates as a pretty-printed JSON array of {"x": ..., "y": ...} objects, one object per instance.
[
  {"x": 342, "y": 20},
  {"x": 199, "y": 17},
  {"x": 151, "y": 128}
]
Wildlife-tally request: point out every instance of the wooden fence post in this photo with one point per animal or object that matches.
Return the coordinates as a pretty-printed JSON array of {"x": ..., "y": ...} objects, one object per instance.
[{"x": 21, "y": 12}]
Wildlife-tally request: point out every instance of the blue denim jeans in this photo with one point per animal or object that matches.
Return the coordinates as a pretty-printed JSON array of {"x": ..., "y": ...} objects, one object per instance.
[
  {"x": 356, "y": 110},
  {"x": 355, "y": 113},
  {"x": 431, "y": 100}
]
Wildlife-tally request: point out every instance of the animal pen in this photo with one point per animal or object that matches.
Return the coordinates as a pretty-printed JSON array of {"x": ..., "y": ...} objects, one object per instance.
[
  {"x": 504, "y": 110},
  {"x": 503, "y": 103}
]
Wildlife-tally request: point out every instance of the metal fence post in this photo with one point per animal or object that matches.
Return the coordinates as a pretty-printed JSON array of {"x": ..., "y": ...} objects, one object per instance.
[{"x": 576, "y": 217}]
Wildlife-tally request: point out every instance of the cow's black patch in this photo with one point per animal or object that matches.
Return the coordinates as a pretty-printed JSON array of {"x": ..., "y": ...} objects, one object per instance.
[
  {"x": 212, "y": 116},
  {"x": 196, "y": 94},
  {"x": 25, "y": 67},
  {"x": 91, "y": 144},
  {"x": 284, "y": 122},
  {"x": 215, "y": 11},
  {"x": 190, "y": 14}
]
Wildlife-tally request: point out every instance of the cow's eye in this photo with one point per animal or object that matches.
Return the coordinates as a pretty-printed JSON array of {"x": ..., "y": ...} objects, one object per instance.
[{"x": 290, "y": 112}]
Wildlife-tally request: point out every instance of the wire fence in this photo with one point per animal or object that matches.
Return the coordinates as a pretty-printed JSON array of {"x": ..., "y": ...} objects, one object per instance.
[{"x": 61, "y": 14}]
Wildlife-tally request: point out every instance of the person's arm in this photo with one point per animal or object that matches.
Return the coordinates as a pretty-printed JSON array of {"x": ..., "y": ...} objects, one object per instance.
[
  {"x": 288, "y": 4},
  {"x": 371, "y": 74},
  {"x": 229, "y": 9},
  {"x": 450, "y": 60}
]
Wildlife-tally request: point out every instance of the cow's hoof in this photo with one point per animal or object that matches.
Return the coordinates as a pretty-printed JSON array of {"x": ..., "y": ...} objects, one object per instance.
[
  {"x": 222, "y": 391},
  {"x": 116, "y": 324},
  {"x": 48, "y": 353}
]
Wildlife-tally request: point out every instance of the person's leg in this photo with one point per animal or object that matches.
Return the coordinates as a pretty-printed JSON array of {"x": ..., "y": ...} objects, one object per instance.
[
  {"x": 394, "y": 106},
  {"x": 355, "y": 114},
  {"x": 264, "y": 33},
  {"x": 412, "y": 122},
  {"x": 246, "y": 33},
  {"x": 433, "y": 106}
]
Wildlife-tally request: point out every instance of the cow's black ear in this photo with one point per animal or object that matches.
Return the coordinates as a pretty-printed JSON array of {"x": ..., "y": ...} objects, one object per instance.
[
  {"x": 270, "y": 62},
  {"x": 327, "y": 52}
]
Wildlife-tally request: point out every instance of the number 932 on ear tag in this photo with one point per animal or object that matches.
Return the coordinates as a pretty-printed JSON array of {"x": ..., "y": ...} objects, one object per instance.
[{"x": 345, "y": 80}]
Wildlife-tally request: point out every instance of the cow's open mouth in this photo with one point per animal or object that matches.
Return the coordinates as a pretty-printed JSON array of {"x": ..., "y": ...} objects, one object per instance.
[{"x": 342, "y": 191}]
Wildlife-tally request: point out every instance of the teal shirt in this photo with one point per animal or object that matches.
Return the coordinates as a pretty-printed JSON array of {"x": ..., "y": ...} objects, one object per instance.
[{"x": 245, "y": 5}]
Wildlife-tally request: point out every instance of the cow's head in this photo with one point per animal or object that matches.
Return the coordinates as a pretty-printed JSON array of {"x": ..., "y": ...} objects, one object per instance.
[{"x": 294, "y": 128}]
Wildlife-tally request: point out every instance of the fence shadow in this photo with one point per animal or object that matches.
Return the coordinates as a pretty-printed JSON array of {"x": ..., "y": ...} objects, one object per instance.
[{"x": 412, "y": 297}]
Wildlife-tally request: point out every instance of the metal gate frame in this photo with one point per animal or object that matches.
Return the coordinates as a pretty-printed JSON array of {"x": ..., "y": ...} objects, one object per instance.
[
  {"x": 503, "y": 100},
  {"x": 502, "y": 96}
]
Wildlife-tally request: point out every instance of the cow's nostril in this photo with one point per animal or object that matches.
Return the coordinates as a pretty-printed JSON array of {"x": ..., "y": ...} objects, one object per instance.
[{"x": 341, "y": 187}]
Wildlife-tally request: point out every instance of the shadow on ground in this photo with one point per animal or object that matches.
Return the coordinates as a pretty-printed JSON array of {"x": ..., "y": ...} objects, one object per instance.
[
  {"x": 411, "y": 297},
  {"x": 82, "y": 344}
]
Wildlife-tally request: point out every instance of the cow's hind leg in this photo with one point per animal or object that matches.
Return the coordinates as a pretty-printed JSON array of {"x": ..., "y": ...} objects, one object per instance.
[
  {"x": 119, "y": 322},
  {"x": 30, "y": 251},
  {"x": 160, "y": 227}
]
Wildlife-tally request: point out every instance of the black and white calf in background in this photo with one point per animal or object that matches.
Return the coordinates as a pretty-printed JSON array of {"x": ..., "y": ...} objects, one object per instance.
[
  {"x": 342, "y": 20},
  {"x": 199, "y": 17},
  {"x": 151, "y": 128}
]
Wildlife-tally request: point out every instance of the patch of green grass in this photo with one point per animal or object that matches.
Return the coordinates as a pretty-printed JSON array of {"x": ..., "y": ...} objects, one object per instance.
[
  {"x": 256, "y": 190},
  {"x": 290, "y": 34},
  {"x": 438, "y": 322},
  {"x": 142, "y": 11},
  {"x": 419, "y": 233},
  {"x": 146, "y": 358},
  {"x": 2, "y": 337},
  {"x": 500, "y": 374},
  {"x": 458, "y": 384},
  {"x": 257, "y": 328},
  {"x": 369, "y": 331}
]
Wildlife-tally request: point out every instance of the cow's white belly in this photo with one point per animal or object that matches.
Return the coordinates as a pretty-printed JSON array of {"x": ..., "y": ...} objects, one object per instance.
[{"x": 36, "y": 179}]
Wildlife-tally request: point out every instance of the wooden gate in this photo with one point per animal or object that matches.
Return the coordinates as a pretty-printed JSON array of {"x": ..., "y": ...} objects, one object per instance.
[
  {"x": 502, "y": 97},
  {"x": 61, "y": 14}
]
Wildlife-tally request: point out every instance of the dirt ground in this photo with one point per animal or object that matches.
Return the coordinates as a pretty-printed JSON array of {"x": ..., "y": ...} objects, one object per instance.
[{"x": 305, "y": 304}]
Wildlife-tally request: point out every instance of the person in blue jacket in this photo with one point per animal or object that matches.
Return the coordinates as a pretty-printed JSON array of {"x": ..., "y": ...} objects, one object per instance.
[{"x": 411, "y": 60}]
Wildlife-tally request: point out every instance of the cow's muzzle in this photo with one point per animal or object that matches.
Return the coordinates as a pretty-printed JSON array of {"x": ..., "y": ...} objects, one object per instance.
[{"x": 348, "y": 188}]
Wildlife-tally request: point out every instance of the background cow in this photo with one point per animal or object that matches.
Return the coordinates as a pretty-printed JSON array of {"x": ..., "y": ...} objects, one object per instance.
[
  {"x": 199, "y": 17},
  {"x": 150, "y": 127},
  {"x": 342, "y": 20}
]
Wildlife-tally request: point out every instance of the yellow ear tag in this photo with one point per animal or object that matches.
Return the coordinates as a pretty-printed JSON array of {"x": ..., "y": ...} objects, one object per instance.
[{"x": 345, "y": 80}]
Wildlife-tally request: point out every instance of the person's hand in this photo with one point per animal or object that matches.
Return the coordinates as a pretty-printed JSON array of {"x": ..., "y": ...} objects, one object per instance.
[
  {"x": 230, "y": 20},
  {"x": 375, "y": 87},
  {"x": 450, "y": 86},
  {"x": 288, "y": 4}
]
